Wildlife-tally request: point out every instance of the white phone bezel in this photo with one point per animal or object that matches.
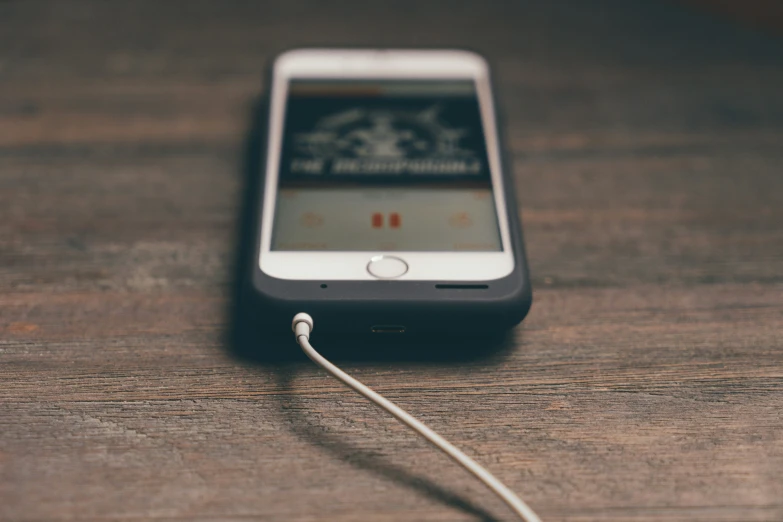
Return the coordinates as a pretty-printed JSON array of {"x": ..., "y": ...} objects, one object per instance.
[{"x": 381, "y": 64}]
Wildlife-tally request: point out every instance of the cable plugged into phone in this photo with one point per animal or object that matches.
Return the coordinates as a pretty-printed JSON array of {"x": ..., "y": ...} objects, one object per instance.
[{"x": 302, "y": 326}]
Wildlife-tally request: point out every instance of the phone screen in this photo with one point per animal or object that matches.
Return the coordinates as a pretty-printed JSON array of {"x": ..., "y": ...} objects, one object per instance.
[{"x": 384, "y": 165}]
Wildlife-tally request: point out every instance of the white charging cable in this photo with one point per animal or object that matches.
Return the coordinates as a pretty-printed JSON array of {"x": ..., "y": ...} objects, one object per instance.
[{"x": 303, "y": 325}]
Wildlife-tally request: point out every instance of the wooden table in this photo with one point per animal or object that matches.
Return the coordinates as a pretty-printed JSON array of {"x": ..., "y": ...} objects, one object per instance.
[{"x": 646, "y": 383}]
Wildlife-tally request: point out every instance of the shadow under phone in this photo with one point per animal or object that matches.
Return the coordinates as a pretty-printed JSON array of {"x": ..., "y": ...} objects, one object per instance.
[{"x": 254, "y": 343}]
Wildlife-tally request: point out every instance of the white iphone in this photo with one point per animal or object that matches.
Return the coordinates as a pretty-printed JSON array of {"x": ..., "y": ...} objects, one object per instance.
[{"x": 384, "y": 193}]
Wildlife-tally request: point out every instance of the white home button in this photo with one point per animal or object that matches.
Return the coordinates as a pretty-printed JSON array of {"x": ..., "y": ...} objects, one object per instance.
[{"x": 387, "y": 267}]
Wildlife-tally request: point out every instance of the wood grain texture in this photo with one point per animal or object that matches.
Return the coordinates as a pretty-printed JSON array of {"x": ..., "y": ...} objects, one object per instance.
[{"x": 646, "y": 383}]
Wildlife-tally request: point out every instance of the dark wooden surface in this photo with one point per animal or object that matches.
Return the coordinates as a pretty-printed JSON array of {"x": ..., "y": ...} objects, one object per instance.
[{"x": 646, "y": 384}]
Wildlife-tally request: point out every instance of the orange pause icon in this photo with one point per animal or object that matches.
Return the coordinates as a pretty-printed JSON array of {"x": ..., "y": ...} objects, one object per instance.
[{"x": 395, "y": 221}]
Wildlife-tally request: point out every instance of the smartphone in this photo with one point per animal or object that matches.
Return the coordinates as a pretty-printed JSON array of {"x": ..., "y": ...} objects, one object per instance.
[{"x": 385, "y": 205}]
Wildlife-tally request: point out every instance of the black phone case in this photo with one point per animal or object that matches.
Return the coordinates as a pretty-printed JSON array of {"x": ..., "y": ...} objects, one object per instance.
[{"x": 422, "y": 308}]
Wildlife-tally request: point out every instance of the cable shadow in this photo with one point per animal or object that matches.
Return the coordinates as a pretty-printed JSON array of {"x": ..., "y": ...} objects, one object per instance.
[{"x": 345, "y": 452}]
